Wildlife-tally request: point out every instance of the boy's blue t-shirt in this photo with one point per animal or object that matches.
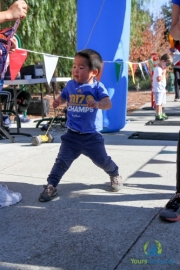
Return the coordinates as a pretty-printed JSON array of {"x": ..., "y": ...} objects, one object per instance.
[
  {"x": 79, "y": 116},
  {"x": 177, "y": 2}
]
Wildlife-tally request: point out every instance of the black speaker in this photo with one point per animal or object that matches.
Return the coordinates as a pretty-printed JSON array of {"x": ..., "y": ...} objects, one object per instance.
[{"x": 36, "y": 71}]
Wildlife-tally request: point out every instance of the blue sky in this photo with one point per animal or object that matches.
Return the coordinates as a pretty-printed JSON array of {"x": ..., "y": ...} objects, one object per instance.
[{"x": 155, "y": 6}]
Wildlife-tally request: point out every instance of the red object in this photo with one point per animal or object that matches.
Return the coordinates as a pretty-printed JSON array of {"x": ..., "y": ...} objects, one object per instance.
[
  {"x": 16, "y": 60},
  {"x": 155, "y": 62}
]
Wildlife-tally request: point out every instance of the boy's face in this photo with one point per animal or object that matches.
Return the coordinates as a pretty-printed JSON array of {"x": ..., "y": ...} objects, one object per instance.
[
  {"x": 164, "y": 64},
  {"x": 81, "y": 72}
]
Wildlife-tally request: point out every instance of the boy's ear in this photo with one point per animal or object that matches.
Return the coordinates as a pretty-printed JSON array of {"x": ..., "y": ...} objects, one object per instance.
[{"x": 95, "y": 72}]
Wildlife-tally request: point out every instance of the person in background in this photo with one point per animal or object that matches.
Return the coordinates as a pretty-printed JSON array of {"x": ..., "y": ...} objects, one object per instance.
[
  {"x": 86, "y": 98},
  {"x": 175, "y": 22},
  {"x": 159, "y": 85},
  {"x": 177, "y": 74},
  {"x": 171, "y": 211},
  {"x": 17, "y": 10}
]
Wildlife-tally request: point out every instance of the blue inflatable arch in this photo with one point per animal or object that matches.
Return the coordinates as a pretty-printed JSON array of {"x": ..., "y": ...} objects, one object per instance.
[{"x": 104, "y": 25}]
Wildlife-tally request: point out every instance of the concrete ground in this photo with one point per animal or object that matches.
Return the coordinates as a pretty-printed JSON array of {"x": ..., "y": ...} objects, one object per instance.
[{"x": 86, "y": 226}]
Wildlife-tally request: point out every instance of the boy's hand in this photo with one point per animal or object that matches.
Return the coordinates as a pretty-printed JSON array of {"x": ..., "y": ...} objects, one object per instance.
[
  {"x": 92, "y": 104},
  {"x": 56, "y": 103},
  {"x": 17, "y": 10}
]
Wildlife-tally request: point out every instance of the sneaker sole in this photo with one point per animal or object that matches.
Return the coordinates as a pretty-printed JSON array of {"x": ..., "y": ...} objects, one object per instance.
[
  {"x": 168, "y": 218},
  {"x": 50, "y": 198},
  {"x": 115, "y": 189}
]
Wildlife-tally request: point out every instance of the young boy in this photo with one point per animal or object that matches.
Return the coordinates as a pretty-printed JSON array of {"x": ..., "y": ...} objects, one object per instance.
[
  {"x": 159, "y": 85},
  {"x": 86, "y": 98}
]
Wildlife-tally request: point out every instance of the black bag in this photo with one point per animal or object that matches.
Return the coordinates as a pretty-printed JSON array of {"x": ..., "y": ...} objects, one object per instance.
[{"x": 34, "y": 107}]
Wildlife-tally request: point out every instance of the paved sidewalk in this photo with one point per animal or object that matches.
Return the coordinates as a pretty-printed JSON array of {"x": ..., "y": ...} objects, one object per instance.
[{"x": 86, "y": 226}]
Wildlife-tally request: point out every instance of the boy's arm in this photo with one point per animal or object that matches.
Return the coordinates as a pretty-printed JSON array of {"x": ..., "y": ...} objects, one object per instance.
[
  {"x": 58, "y": 101},
  {"x": 104, "y": 104},
  {"x": 161, "y": 78}
]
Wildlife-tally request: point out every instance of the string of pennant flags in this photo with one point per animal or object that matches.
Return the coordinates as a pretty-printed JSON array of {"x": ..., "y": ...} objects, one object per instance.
[{"x": 17, "y": 59}]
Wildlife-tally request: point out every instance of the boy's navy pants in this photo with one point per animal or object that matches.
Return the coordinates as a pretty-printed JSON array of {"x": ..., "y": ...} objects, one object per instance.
[{"x": 72, "y": 146}]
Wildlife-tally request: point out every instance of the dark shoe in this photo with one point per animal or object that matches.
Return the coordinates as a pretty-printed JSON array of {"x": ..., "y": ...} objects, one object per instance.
[
  {"x": 48, "y": 193},
  {"x": 159, "y": 117},
  {"x": 171, "y": 212},
  {"x": 164, "y": 116},
  {"x": 116, "y": 183}
]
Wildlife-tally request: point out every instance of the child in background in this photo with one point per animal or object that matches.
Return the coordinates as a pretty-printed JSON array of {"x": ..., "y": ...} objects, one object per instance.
[
  {"x": 86, "y": 98},
  {"x": 159, "y": 85}
]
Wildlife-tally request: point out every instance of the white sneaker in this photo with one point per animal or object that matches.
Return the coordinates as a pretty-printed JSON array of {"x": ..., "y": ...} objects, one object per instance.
[{"x": 8, "y": 197}]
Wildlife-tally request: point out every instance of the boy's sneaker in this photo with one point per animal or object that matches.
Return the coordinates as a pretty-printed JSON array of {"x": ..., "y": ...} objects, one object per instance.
[
  {"x": 116, "y": 183},
  {"x": 159, "y": 117},
  {"x": 8, "y": 197},
  {"x": 48, "y": 193},
  {"x": 171, "y": 212},
  {"x": 164, "y": 116}
]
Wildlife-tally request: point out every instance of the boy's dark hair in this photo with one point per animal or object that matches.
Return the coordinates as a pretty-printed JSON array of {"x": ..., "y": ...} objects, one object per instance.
[
  {"x": 94, "y": 59},
  {"x": 167, "y": 58}
]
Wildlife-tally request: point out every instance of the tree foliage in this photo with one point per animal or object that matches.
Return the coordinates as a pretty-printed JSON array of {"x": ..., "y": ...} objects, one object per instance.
[
  {"x": 50, "y": 27},
  {"x": 147, "y": 35}
]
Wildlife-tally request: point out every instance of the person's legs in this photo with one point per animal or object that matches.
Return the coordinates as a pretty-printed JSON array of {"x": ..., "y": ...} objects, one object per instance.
[
  {"x": 176, "y": 85},
  {"x": 158, "y": 109},
  {"x": 23, "y": 100},
  {"x": 70, "y": 149},
  {"x": 158, "y": 97},
  {"x": 165, "y": 117},
  {"x": 94, "y": 148},
  {"x": 171, "y": 212}
]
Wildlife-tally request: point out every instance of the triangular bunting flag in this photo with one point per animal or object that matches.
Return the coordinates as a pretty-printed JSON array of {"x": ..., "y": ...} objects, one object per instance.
[
  {"x": 16, "y": 60},
  {"x": 140, "y": 66},
  {"x": 151, "y": 64},
  {"x": 118, "y": 67},
  {"x": 135, "y": 66},
  {"x": 148, "y": 66},
  {"x": 130, "y": 65},
  {"x": 145, "y": 67},
  {"x": 100, "y": 74},
  {"x": 50, "y": 63}
]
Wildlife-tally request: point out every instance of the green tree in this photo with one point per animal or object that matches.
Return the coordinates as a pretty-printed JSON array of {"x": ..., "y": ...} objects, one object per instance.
[
  {"x": 166, "y": 14},
  {"x": 50, "y": 27},
  {"x": 140, "y": 19}
]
